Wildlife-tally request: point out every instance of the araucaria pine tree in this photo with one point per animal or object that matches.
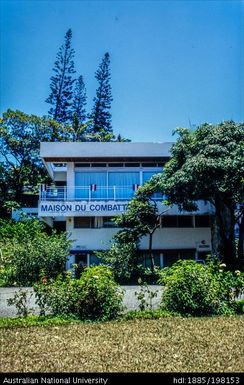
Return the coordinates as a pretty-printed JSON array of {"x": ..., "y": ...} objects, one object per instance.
[
  {"x": 79, "y": 101},
  {"x": 101, "y": 116},
  {"x": 62, "y": 83}
]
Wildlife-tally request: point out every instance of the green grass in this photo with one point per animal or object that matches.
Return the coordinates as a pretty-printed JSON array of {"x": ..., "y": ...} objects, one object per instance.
[
  {"x": 35, "y": 321},
  {"x": 170, "y": 344}
]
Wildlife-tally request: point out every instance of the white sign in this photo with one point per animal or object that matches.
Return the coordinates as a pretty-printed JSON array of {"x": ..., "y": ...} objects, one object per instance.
[{"x": 54, "y": 209}]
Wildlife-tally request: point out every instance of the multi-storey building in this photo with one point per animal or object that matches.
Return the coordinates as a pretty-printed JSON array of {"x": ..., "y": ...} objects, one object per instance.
[{"x": 93, "y": 182}]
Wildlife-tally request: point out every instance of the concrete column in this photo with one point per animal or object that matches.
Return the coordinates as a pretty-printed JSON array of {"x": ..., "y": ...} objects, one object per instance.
[{"x": 70, "y": 181}]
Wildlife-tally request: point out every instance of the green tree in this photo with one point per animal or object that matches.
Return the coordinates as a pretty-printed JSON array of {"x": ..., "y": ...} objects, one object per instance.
[
  {"x": 79, "y": 100},
  {"x": 19, "y": 149},
  {"x": 207, "y": 164},
  {"x": 142, "y": 218},
  {"x": 27, "y": 249},
  {"x": 101, "y": 116},
  {"x": 21, "y": 167},
  {"x": 62, "y": 83}
]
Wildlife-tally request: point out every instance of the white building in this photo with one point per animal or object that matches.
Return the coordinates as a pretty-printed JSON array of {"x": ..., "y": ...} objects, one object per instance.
[{"x": 93, "y": 182}]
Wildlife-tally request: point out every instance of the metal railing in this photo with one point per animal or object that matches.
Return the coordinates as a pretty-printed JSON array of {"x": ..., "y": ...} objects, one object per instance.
[{"x": 88, "y": 193}]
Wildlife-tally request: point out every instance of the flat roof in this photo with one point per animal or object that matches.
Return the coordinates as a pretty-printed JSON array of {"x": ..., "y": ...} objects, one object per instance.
[{"x": 75, "y": 151}]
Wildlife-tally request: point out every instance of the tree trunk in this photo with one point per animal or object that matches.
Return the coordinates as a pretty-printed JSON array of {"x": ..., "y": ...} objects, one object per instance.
[
  {"x": 225, "y": 233},
  {"x": 151, "y": 252},
  {"x": 240, "y": 258}
]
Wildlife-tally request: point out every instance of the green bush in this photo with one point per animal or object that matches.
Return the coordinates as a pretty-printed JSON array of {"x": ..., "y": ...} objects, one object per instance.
[
  {"x": 26, "y": 249},
  {"x": 195, "y": 289},
  {"x": 100, "y": 297},
  {"x": 95, "y": 296}
]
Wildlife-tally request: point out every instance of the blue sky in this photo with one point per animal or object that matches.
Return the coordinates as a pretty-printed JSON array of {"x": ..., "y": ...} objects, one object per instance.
[{"x": 172, "y": 62}]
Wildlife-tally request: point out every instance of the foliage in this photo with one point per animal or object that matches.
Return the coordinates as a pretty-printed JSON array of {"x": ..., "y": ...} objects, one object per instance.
[
  {"x": 34, "y": 320},
  {"x": 145, "y": 296},
  {"x": 195, "y": 289},
  {"x": 21, "y": 301},
  {"x": 95, "y": 296},
  {"x": 62, "y": 83},
  {"x": 207, "y": 164},
  {"x": 123, "y": 260},
  {"x": 101, "y": 116},
  {"x": 21, "y": 169},
  {"x": 79, "y": 101},
  {"x": 239, "y": 307},
  {"x": 26, "y": 249},
  {"x": 100, "y": 297},
  {"x": 58, "y": 296}
]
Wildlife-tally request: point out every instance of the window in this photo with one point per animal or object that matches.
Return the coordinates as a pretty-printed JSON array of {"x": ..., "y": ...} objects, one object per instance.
[
  {"x": 83, "y": 181},
  {"x": 132, "y": 164},
  {"x": 84, "y": 222},
  {"x": 202, "y": 221},
  {"x": 94, "y": 260},
  {"x": 170, "y": 257},
  {"x": 149, "y": 164},
  {"x": 124, "y": 182},
  {"x": 82, "y": 164},
  {"x": 169, "y": 221},
  {"x": 108, "y": 222},
  {"x": 115, "y": 164},
  {"x": 185, "y": 221},
  {"x": 98, "y": 165}
]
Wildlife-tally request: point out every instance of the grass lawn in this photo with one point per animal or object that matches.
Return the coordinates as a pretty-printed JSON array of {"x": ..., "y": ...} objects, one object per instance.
[{"x": 166, "y": 344}]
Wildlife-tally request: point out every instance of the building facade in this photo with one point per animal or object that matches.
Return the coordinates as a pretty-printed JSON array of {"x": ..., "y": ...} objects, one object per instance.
[{"x": 93, "y": 182}]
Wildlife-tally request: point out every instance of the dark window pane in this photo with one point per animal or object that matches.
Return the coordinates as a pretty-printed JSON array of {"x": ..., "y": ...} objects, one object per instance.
[
  {"x": 170, "y": 257},
  {"x": 185, "y": 221},
  {"x": 169, "y": 221},
  {"x": 202, "y": 221},
  {"x": 98, "y": 165},
  {"x": 108, "y": 222},
  {"x": 115, "y": 164},
  {"x": 82, "y": 164},
  {"x": 83, "y": 222}
]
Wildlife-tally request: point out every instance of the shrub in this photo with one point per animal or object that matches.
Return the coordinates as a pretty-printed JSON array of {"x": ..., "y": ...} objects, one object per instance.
[
  {"x": 195, "y": 289},
  {"x": 26, "y": 249},
  {"x": 100, "y": 297},
  {"x": 57, "y": 296},
  {"x": 95, "y": 296}
]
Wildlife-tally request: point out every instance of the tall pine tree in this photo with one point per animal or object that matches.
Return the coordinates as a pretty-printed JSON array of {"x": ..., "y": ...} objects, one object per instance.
[
  {"x": 62, "y": 83},
  {"x": 101, "y": 116},
  {"x": 79, "y": 126}
]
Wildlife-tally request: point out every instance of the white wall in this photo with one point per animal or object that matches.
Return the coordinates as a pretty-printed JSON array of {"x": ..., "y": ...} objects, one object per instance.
[{"x": 166, "y": 238}]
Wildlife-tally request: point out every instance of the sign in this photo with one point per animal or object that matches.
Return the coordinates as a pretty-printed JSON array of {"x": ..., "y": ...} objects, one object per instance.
[{"x": 54, "y": 209}]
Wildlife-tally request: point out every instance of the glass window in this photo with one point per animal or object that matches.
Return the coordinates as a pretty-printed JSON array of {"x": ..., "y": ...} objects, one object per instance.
[
  {"x": 202, "y": 221},
  {"x": 115, "y": 164},
  {"x": 94, "y": 260},
  {"x": 124, "y": 183},
  {"x": 185, "y": 221},
  {"x": 98, "y": 165},
  {"x": 169, "y": 221},
  {"x": 149, "y": 164},
  {"x": 187, "y": 254},
  {"x": 108, "y": 222},
  {"x": 84, "y": 181},
  {"x": 82, "y": 164},
  {"x": 132, "y": 164},
  {"x": 84, "y": 222},
  {"x": 170, "y": 257}
]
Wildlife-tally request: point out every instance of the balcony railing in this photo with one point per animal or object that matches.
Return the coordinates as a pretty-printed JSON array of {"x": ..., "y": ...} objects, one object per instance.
[{"x": 89, "y": 193}]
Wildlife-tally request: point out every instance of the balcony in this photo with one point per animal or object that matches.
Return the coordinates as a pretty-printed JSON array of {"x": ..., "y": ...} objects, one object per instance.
[{"x": 90, "y": 193}]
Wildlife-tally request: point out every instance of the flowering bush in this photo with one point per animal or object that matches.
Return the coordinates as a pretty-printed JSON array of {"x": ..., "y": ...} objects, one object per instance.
[
  {"x": 195, "y": 289},
  {"x": 95, "y": 296}
]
